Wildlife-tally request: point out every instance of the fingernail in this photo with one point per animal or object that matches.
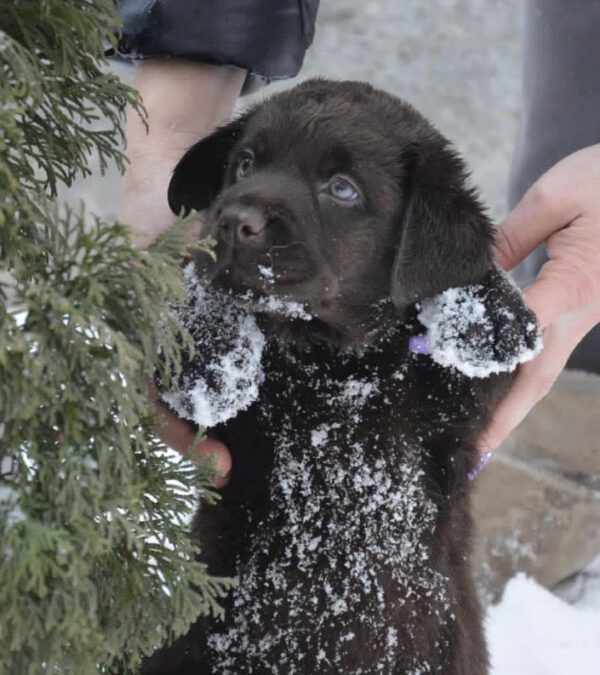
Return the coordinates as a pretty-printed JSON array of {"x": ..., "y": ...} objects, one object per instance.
[
  {"x": 418, "y": 344},
  {"x": 483, "y": 460}
]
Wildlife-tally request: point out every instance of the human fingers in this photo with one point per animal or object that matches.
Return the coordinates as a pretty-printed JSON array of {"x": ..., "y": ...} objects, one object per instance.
[
  {"x": 570, "y": 279},
  {"x": 566, "y": 192},
  {"x": 181, "y": 436},
  {"x": 535, "y": 378}
]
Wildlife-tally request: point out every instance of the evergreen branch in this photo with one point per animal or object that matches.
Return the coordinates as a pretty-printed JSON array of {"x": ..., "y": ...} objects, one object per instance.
[{"x": 97, "y": 568}]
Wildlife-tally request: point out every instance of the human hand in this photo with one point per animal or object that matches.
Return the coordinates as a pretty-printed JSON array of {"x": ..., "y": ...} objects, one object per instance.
[
  {"x": 562, "y": 209},
  {"x": 184, "y": 101},
  {"x": 180, "y": 435}
]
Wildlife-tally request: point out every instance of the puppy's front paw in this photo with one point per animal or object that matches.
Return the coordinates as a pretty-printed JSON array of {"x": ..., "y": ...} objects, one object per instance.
[
  {"x": 223, "y": 374},
  {"x": 482, "y": 328}
]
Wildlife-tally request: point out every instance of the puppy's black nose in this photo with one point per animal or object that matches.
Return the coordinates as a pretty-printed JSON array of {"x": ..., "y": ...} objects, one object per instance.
[{"x": 247, "y": 223}]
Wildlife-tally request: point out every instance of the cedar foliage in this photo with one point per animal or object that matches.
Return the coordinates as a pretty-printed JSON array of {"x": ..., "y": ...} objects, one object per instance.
[{"x": 95, "y": 565}]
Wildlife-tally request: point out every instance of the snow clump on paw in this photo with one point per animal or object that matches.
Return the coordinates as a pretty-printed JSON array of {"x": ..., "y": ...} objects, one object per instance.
[
  {"x": 223, "y": 376},
  {"x": 469, "y": 329}
]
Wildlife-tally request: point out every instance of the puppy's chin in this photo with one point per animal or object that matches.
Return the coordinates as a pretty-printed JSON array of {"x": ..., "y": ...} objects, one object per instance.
[
  {"x": 337, "y": 336},
  {"x": 303, "y": 311},
  {"x": 325, "y": 323}
]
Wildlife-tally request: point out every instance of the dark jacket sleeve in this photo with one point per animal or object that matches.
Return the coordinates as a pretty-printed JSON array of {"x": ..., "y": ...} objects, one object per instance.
[{"x": 268, "y": 38}]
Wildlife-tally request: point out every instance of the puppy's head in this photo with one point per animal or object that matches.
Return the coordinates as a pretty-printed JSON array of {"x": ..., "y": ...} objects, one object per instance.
[{"x": 339, "y": 197}]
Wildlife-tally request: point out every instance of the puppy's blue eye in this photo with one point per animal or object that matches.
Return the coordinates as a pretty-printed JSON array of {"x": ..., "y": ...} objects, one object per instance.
[
  {"x": 342, "y": 189},
  {"x": 245, "y": 164}
]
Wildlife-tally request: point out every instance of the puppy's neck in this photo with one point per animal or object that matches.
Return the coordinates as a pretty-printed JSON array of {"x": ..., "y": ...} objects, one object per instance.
[{"x": 356, "y": 331}]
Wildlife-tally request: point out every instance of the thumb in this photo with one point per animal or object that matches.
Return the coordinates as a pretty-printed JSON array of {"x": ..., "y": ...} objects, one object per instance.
[
  {"x": 529, "y": 224},
  {"x": 181, "y": 436}
]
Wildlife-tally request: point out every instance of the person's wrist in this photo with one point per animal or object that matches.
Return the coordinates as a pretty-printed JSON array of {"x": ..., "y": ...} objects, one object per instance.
[
  {"x": 184, "y": 101},
  {"x": 184, "y": 98}
]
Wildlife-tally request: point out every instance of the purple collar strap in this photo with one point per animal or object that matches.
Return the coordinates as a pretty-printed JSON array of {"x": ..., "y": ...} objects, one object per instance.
[{"x": 418, "y": 344}]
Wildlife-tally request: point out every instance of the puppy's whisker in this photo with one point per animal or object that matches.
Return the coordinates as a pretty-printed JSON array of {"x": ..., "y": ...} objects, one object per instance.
[{"x": 282, "y": 246}]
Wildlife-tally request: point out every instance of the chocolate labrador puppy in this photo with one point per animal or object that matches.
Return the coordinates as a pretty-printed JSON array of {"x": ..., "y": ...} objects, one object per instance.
[{"x": 346, "y": 518}]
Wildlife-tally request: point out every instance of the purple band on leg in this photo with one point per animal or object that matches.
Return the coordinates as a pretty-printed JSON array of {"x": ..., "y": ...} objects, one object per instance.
[{"x": 483, "y": 460}]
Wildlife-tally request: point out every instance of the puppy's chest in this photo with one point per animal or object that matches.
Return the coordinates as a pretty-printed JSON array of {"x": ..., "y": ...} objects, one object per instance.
[
  {"x": 346, "y": 543},
  {"x": 344, "y": 449},
  {"x": 336, "y": 390}
]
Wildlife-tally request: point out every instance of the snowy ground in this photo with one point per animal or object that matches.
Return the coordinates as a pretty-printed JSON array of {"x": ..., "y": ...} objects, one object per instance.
[{"x": 533, "y": 632}]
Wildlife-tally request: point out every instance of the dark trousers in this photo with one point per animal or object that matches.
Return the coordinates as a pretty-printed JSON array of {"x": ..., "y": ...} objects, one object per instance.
[{"x": 560, "y": 114}]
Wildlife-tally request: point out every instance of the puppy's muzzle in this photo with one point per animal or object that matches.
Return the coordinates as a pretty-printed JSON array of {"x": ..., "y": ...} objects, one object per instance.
[{"x": 242, "y": 224}]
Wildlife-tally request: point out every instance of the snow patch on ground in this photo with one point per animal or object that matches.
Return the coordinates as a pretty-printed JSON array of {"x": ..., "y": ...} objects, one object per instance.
[{"x": 533, "y": 632}]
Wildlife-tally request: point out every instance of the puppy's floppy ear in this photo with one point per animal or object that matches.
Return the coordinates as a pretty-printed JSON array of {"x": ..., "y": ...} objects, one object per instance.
[
  {"x": 198, "y": 177},
  {"x": 445, "y": 237}
]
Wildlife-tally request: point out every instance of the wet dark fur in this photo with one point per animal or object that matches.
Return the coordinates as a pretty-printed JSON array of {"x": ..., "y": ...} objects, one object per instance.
[{"x": 359, "y": 268}]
